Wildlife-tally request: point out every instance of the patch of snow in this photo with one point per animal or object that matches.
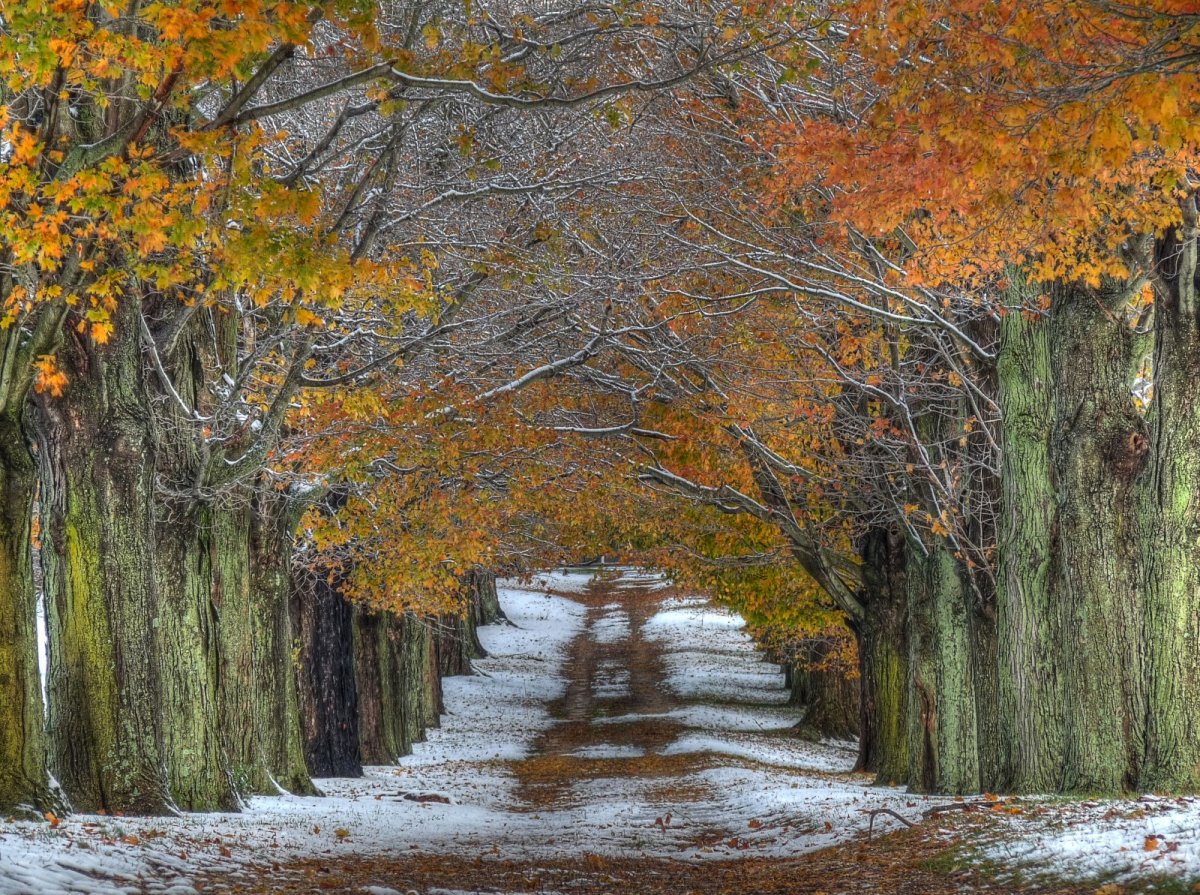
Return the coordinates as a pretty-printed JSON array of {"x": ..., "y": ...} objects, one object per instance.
[
  {"x": 605, "y": 750},
  {"x": 1110, "y": 840},
  {"x": 829, "y": 757},
  {"x": 612, "y": 627}
]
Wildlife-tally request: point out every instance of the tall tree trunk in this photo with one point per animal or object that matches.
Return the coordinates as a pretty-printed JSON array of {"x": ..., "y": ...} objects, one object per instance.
[
  {"x": 197, "y": 770},
  {"x": 943, "y": 748},
  {"x": 1170, "y": 499},
  {"x": 280, "y": 735},
  {"x": 1030, "y": 622},
  {"x": 1096, "y": 451},
  {"x": 189, "y": 548},
  {"x": 328, "y": 692},
  {"x": 105, "y": 688},
  {"x": 240, "y": 688},
  {"x": 23, "y": 778},
  {"x": 883, "y": 660}
]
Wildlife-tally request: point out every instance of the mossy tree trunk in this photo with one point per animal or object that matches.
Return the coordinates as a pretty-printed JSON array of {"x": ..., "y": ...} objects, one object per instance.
[
  {"x": 883, "y": 659},
  {"x": 943, "y": 742},
  {"x": 1170, "y": 511},
  {"x": 1097, "y": 447},
  {"x": 105, "y": 688},
  {"x": 23, "y": 779},
  {"x": 1030, "y": 620},
  {"x": 277, "y": 703}
]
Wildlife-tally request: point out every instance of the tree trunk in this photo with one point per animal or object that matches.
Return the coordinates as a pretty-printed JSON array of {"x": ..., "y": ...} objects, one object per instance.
[
  {"x": 328, "y": 694},
  {"x": 243, "y": 696},
  {"x": 883, "y": 660},
  {"x": 277, "y": 704},
  {"x": 197, "y": 770},
  {"x": 819, "y": 682},
  {"x": 1030, "y": 622},
  {"x": 1096, "y": 450},
  {"x": 23, "y": 778},
  {"x": 486, "y": 602},
  {"x": 943, "y": 745},
  {"x": 105, "y": 688},
  {"x": 1170, "y": 501},
  {"x": 420, "y": 685},
  {"x": 370, "y": 658}
]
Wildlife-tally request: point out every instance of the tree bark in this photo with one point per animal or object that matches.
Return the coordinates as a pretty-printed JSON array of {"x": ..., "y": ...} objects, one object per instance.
[
  {"x": 273, "y": 520},
  {"x": 1096, "y": 451},
  {"x": 943, "y": 743},
  {"x": 197, "y": 769},
  {"x": 1170, "y": 509},
  {"x": 105, "y": 689},
  {"x": 23, "y": 778},
  {"x": 327, "y": 687},
  {"x": 1030, "y": 620},
  {"x": 883, "y": 660}
]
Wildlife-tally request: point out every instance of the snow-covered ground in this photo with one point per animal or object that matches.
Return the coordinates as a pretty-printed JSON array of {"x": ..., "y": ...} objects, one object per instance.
[
  {"x": 1118, "y": 841},
  {"x": 718, "y": 776}
]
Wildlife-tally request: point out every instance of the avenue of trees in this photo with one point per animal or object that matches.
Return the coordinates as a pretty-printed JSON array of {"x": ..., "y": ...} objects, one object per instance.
[{"x": 877, "y": 320}]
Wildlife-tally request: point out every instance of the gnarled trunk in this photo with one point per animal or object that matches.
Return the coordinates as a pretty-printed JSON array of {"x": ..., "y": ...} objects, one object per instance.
[
  {"x": 1096, "y": 450},
  {"x": 883, "y": 660},
  {"x": 942, "y": 719},
  {"x": 105, "y": 687}
]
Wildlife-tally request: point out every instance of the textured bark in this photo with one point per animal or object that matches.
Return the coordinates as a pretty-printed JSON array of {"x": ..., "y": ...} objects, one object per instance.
[
  {"x": 1096, "y": 450},
  {"x": 105, "y": 686},
  {"x": 820, "y": 684},
  {"x": 23, "y": 778},
  {"x": 1030, "y": 619},
  {"x": 370, "y": 660},
  {"x": 420, "y": 686},
  {"x": 240, "y": 687},
  {"x": 190, "y": 548},
  {"x": 326, "y": 682},
  {"x": 883, "y": 660},
  {"x": 943, "y": 749},
  {"x": 486, "y": 603},
  {"x": 197, "y": 771},
  {"x": 1170, "y": 511},
  {"x": 277, "y": 702}
]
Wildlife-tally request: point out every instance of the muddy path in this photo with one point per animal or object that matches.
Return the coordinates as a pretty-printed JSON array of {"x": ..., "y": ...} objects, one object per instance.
[{"x": 610, "y": 721}]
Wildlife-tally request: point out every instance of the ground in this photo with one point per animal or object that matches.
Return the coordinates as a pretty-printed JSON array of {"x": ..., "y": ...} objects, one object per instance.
[{"x": 620, "y": 736}]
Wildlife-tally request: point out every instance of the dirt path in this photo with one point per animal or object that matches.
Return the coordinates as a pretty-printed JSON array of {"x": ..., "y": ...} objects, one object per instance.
[{"x": 613, "y": 732}]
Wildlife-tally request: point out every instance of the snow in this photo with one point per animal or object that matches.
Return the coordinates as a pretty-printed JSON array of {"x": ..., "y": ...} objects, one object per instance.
[
  {"x": 1119, "y": 840},
  {"x": 612, "y": 627},
  {"x": 763, "y": 792}
]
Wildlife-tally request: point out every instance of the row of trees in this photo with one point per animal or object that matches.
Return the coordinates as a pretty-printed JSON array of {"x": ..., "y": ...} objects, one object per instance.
[
  {"x": 265, "y": 265},
  {"x": 873, "y": 318},
  {"x": 945, "y": 352}
]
